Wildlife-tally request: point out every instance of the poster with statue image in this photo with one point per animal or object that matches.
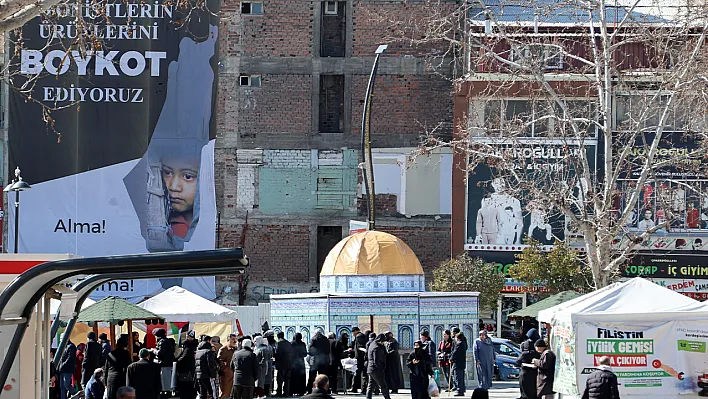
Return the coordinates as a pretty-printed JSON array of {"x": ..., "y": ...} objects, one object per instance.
[
  {"x": 501, "y": 212},
  {"x": 116, "y": 136}
]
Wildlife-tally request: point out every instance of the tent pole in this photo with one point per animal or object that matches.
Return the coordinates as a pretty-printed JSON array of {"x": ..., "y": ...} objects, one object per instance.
[
  {"x": 113, "y": 336},
  {"x": 130, "y": 338}
]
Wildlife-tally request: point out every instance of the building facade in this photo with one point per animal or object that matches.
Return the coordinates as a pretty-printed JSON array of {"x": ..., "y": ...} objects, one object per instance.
[
  {"x": 291, "y": 90},
  {"x": 503, "y": 105}
]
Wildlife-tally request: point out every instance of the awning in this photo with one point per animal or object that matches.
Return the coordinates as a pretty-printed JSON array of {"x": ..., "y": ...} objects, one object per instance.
[
  {"x": 532, "y": 310},
  {"x": 113, "y": 310}
]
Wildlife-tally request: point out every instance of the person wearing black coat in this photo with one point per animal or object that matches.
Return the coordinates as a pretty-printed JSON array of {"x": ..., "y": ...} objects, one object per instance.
[
  {"x": 144, "y": 377},
  {"x": 527, "y": 375},
  {"x": 92, "y": 359},
  {"x": 602, "y": 383},
  {"x": 376, "y": 367},
  {"x": 394, "y": 372},
  {"x": 458, "y": 360},
  {"x": 283, "y": 364},
  {"x": 246, "y": 371},
  {"x": 358, "y": 351},
  {"x": 337, "y": 350},
  {"x": 205, "y": 368},
  {"x": 297, "y": 369},
  {"x": 186, "y": 368},
  {"x": 319, "y": 351},
  {"x": 116, "y": 367},
  {"x": 546, "y": 365},
  {"x": 420, "y": 369},
  {"x": 67, "y": 366}
]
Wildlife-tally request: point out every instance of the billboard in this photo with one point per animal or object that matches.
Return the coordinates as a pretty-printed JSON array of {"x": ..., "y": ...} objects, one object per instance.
[
  {"x": 501, "y": 213},
  {"x": 117, "y": 138}
]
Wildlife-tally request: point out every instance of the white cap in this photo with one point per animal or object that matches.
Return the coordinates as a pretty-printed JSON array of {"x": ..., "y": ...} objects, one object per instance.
[{"x": 247, "y": 343}]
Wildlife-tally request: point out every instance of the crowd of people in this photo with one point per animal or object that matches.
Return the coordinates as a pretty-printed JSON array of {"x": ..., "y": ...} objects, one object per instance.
[{"x": 265, "y": 365}]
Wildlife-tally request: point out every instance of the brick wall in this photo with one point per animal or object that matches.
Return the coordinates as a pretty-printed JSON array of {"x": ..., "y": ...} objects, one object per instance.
[
  {"x": 284, "y": 30},
  {"x": 281, "y": 105},
  {"x": 298, "y": 159},
  {"x": 378, "y": 21},
  {"x": 431, "y": 244},
  {"x": 402, "y": 103},
  {"x": 386, "y": 204},
  {"x": 277, "y": 252}
]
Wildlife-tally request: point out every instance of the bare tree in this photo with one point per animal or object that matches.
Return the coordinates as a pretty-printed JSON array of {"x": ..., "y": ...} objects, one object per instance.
[{"x": 587, "y": 118}]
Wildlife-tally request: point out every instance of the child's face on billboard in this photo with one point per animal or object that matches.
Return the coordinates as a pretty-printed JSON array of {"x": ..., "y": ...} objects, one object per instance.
[{"x": 180, "y": 176}]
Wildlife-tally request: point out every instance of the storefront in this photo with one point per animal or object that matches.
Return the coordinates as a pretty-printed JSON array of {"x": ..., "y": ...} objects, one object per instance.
[{"x": 684, "y": 272}]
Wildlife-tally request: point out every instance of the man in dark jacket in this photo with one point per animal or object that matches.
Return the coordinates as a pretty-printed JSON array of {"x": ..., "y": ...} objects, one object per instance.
[
  {"x": 206, "y": 369},
  {"x": 246, "y": 371},
  {"x": 144, "y": 377},
  {"x": 165, "y": 355},
  {"x": 458, "y": 360},
  {"x": 546, "y": 365},
  {"x": 106, "y": 347},
  {"x": 358, "y": 352},
  {"x": 67, "y": 366},
  {"x": 376, "y": 367},
  {"x": 602, "y": 384},
  {"x": 319, "y": 351},
  {"x": 92, "y": 359},
  {"x": 320, "y": 388},
  {"x": 527, "y": 375},
  {"x": 283, "y": 363}
]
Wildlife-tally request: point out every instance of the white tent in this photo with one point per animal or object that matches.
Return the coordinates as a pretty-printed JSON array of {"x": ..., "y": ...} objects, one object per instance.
[
  {"x": 177, "y": 304},
  {"x": 654, "y": 337},
  {"x": 636, "y": 299}
]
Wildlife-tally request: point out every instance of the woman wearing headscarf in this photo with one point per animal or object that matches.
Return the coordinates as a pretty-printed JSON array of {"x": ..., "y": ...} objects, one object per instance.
[
  {"x": 298, "y": 372},
  {"x": 263, "y": 353},
  {"x": 527, "y": 375},
  {"x": 186, "y": 368},
  {"x": 116, "y": 366},
  {"x": 420, "y": 369}
]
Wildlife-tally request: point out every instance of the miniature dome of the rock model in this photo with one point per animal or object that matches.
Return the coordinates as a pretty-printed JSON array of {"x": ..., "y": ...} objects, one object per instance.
[
  {"x": 371, "y": 252},
  {"x": 371, "y": 261}
]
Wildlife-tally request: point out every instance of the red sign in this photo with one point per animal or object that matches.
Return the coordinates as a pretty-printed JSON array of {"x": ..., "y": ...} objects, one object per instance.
[
  {"x": 700, "y": 296},
  {"x": 17, "y": 266}
]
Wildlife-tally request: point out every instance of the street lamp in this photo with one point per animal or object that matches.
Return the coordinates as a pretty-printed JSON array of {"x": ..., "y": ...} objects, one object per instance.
[
  {"x": 17, "y": 186},
  {"x": 366, "y": 142}
]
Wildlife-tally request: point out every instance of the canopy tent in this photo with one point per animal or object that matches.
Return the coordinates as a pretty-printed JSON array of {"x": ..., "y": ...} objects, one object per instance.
[
  {"x": 636, "y": 299},
  {"x": 531, "y": 311},
  {"x": 178, "y": 305},
  {"x": 114, "y": 310},
  {"x": 647, "y": 331}
]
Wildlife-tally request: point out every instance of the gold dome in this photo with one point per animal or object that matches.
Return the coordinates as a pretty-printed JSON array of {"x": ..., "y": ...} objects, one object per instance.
[{"x": 371, "y": 253}]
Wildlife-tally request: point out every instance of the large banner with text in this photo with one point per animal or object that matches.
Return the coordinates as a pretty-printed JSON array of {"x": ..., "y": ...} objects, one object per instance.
[
  {"x": 660, "y": 361},
  {"x": 112, "y": 123}
]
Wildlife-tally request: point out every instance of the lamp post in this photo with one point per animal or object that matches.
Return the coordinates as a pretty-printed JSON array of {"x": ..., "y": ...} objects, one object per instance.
[
  {"x": 17, "y": 186},
  {"x": 366, "y": 143}
]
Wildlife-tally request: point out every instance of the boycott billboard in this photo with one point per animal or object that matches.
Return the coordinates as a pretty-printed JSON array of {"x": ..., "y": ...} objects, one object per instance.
[
  {"x": 116, "y": 139},
  {"x": 662, "y": 360}
]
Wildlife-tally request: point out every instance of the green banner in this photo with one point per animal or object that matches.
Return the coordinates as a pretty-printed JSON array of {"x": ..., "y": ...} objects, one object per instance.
[
  {"x": 622, "y": 347},
  {"x": 691, "y": 346}
]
